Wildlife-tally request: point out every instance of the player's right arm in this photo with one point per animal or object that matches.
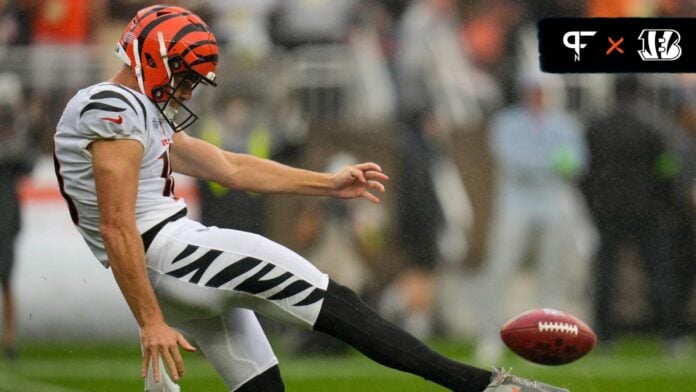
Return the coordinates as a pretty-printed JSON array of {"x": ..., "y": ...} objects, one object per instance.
[
  {"x": 197, "y": 158},
  {"x": 116, "y": 165}
]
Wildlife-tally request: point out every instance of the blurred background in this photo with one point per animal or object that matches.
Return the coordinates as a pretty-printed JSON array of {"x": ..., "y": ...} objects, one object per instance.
[{"x": 510, "y": 189}]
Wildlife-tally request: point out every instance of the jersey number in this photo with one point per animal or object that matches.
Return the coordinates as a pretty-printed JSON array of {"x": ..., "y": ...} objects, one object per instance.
[{"x": 168, "y": 189}]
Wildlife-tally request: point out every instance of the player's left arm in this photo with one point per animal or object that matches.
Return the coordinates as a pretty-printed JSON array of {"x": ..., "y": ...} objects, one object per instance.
[
  {"x": 197, "y": 158},
  {"x": 116, "y": 165}
]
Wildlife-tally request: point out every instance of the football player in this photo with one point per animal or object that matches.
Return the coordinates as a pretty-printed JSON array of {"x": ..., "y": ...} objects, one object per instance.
[{"x": 116, "y": 147}]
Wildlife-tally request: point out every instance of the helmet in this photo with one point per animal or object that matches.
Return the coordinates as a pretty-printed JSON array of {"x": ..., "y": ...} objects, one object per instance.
[{"x": 164, "y": 41}]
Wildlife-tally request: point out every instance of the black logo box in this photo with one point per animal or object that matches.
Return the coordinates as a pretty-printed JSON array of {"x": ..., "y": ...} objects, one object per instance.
[{"x": 556, "y": 57}]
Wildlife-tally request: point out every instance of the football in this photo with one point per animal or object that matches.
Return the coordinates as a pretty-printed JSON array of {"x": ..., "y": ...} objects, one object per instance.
[{"x": 548, "y": 336}]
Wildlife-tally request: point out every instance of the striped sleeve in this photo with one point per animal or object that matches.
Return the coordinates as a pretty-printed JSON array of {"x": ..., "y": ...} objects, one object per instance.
[{"x": 113, "y": 112}]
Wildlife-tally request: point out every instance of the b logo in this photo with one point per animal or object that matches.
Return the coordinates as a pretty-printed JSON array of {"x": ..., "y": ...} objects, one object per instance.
[
  {"x": 575, "y": 44},
  {"x": 659, "y": 45}
]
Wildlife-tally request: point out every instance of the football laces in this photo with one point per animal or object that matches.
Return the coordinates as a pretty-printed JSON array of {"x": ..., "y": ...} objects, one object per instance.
[{"x": 555, "y": 326}]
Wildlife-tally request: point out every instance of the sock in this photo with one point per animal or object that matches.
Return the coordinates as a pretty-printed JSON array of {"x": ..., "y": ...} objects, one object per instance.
[
  {"x": 268, "y": 381},
  {"x": 346, "y": 317}
]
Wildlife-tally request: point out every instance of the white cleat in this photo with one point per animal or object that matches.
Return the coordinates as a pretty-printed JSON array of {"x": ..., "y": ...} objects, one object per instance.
[{"x": 503, "y": 381}]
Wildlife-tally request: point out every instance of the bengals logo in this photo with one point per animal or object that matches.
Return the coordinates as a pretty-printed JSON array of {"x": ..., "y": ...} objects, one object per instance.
[{"x": 660, "y": 45}]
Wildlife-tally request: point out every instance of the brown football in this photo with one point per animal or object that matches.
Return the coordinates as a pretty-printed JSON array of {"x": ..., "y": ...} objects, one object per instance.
[{"x": 548, "y": 336}]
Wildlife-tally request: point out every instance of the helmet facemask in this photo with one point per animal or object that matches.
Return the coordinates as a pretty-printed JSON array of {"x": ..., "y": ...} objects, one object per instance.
[
  {"x": 179, "y": 116},
  {"x": 173, "y": 109}
]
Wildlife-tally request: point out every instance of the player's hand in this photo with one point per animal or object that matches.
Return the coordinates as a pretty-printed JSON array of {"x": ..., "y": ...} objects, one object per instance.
[
  {"x": 160, "y": 340},
  {"x": 358, "y": 180}
]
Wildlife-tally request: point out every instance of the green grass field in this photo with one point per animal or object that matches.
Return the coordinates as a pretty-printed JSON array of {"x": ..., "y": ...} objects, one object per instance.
[{"x": 636, "y": 365}]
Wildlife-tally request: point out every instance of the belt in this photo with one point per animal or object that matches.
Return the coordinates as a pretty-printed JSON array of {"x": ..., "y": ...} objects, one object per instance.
[{"x": 149, "y": 235}]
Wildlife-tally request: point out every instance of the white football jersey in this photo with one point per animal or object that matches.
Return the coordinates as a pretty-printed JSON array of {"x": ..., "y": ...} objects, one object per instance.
[{"x": 112, "y": 111}]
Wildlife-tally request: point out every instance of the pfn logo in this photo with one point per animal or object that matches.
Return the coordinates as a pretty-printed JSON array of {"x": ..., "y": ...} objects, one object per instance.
[
  {"x": 660, "y": 45},
  {"x": 571, "y": 40}
]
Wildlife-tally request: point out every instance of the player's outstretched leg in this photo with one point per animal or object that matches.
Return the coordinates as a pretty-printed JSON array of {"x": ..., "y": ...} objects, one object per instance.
[{"x": 344, "y": 316}]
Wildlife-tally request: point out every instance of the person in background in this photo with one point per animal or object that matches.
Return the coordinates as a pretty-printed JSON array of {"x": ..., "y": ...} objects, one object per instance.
[
  {"x": 435, "y": 99},
  {"x": 15, "y": 162},
  {"x": 629, "y": 188},
  {"x": 539, "y": 152}
]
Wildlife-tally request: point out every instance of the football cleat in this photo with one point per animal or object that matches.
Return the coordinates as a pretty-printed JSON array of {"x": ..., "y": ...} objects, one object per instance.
[{"x": 503, "y": 381}]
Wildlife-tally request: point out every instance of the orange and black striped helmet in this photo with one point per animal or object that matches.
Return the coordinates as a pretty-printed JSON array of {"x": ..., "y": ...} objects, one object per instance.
[{"x": 162, "y": 41}]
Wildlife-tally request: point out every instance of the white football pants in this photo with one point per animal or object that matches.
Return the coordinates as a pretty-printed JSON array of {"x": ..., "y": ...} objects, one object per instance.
[{"x": 210, "y": 281}]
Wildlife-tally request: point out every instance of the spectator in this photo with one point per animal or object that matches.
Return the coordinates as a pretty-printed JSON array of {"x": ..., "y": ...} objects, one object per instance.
[
  {"x": 628, "y": 189},
  {"x": 431, "y": 70},
  {"x": 15, "y": 161},
  {"x": 410, "y": 298},
  {"x": 539, "y": 152}
]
